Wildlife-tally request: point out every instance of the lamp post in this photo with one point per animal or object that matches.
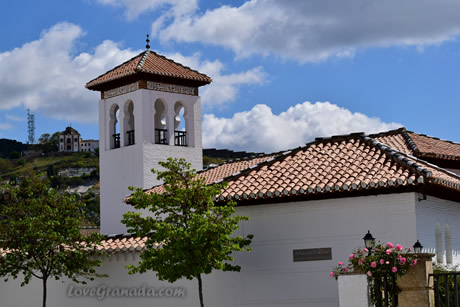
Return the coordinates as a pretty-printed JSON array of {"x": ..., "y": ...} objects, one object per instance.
[
  {"x": 418, "y": 247},
  {"x": 368, "y": 240}
]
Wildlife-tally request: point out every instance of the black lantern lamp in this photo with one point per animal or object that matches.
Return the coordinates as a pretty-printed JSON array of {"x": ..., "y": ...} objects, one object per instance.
[
  {"x": 368, "y": 240},
  {"x": 417, "y": 247}
]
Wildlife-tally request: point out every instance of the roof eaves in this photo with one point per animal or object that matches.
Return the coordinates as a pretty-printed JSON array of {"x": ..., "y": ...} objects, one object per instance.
[{"x": 88, "y": 84}]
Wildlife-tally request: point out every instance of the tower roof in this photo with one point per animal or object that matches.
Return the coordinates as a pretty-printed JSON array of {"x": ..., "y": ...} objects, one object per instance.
[{"x": 149, "y": 65}]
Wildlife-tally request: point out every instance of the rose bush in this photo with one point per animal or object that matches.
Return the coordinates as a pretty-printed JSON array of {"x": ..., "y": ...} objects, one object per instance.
[{"x": 383, "y": 260}]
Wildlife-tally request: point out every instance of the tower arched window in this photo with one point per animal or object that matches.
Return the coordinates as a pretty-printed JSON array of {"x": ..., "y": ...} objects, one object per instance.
[
  {"x": 114, "y": 126},
  {"x": 128, "y": 123},
  {"x": 161, "y": 132},
  {"x": 180, "y": 131}
]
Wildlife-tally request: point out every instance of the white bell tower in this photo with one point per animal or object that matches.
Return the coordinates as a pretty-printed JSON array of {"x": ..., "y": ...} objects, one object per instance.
[{"x": 149, "y": 110}]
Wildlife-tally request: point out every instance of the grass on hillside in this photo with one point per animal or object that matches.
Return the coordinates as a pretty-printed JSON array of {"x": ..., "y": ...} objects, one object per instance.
[{"x": 39, "y": 165}]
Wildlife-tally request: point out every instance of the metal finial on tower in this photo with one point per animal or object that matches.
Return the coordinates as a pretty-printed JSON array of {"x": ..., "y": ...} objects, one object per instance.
[{"x": 148, "y": 42}]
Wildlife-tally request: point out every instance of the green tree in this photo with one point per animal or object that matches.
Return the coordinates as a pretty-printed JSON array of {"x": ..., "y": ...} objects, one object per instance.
[
  {"x": 195, "y": 235},
  {"x": 40, "y": 234},
  {"x": 44, "y": 138},
  {"x": 49, "y": 142}
]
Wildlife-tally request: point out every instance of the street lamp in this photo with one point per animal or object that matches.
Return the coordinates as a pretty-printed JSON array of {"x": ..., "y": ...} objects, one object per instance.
[
  {"x": 368, "y": 240},
  {"x": 417, "y": 247}
]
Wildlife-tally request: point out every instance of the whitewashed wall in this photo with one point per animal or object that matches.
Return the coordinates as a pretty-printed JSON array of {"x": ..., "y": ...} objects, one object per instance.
[
  {"x": 269, "y": 277},
  {"x": 130, "y": 165},
  {"x": 353, "y": 291},
  {"x": 431, "y": 210}
]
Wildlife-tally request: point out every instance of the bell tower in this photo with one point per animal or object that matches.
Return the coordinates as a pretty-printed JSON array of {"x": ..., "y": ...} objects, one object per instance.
[{"x": 149, "y": 110}]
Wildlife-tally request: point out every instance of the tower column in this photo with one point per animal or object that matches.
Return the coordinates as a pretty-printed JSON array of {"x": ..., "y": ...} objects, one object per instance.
[{"x": 170, "y": 123}]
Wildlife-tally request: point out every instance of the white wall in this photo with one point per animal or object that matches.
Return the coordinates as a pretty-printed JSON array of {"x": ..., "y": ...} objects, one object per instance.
[
  {"x": 128, "y": 166},
  {"x": 269, "y": 277},
  {"x": 353, "y": 291},
  {"x": 434, "y": 210}
]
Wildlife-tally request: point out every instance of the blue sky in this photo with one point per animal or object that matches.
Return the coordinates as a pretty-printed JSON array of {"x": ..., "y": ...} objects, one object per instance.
[{"x": 284, "y": 72}]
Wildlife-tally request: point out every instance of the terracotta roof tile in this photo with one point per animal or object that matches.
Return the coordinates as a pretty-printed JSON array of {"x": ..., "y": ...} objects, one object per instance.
[
  {"x": 116, "y": 244},
  {"x": 419, "y": 145},
  {"x": 333, "y": 165},
  {"x": 151, "y": 63},
  {"x": 428, "y": 146}
]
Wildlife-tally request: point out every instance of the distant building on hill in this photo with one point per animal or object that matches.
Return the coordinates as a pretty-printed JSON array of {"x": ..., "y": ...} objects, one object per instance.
[
  {"x": 70, "y": 141},
  {"x": 89, "y": 145}
]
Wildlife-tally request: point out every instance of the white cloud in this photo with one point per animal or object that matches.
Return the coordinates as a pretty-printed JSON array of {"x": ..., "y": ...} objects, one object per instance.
[
  {"x": 224, "y": 88},
  {"x": 134, "y": 8},
  {"x": 311, "y": 31},
  {"x": 4, "y": 126},
  {"x": 259, "y": 130},
  {"x": 14, "y": 118},
  {"x": 45, "y": 75}
]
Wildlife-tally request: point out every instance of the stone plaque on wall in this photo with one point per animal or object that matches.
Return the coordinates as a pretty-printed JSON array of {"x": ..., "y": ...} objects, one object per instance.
[{"x": 312, "y": 254}]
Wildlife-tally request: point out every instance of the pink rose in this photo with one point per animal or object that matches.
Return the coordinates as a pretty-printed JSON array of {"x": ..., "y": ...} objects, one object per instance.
[
  {"x": 331, "y": 274},
  {"x": 414, "y": 262},
  {"x": 360, "y": 261},
  {"x": 388, "y": 251},
  {"x": 402, "y": 260},
  {"x": 399, "y": 247},
  {"x": 345, "y": 269},
  {"x": 351, "y": 256},
  {"x": 369, "y": 273},
  {"x": 389, "y": 244},
  {"x": 340, "y": 263},
  {"x": 387, "y": 262},
  {"x": 374, "y": 264},
  {"x": 382, "y": 261},
  {"x": 394, "y": 269},
  {"x": 365, "y": 250}
]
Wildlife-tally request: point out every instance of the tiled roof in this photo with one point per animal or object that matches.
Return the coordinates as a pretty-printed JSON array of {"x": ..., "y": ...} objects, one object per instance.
[
  {"x": 224, "y": 170},
  {"x": 339, "y": 164},
  {"x": 151, "y": 63},
  {"x": 427, "y": 146},
  {"x": 117, "y": 244},
  {"x": 419, "y": 145}
]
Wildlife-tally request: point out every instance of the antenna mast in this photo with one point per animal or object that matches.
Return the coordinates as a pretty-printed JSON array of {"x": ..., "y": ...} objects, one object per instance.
[{"x": 30, "y": 127}]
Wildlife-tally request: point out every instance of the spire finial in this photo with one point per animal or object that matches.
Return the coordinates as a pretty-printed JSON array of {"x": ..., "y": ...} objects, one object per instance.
[{"x": 148, "y": 42}]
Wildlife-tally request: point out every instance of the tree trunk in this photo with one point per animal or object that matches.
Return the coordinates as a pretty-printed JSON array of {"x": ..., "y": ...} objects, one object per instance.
[
  {"x": 44, "y": 292},
  {"x": 200, "y": 290}
]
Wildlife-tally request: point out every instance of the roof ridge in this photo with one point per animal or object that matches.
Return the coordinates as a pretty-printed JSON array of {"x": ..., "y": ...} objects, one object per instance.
[
  {"x": 389, "y": 132},
  {"x": 142, "y": 61},
  {"x": 113, "y": 68},
  {"x": 410, "y": 142},
  {"x": 400, "y": 158},
  {"x": 340, "y": 137}
]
